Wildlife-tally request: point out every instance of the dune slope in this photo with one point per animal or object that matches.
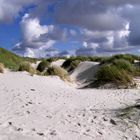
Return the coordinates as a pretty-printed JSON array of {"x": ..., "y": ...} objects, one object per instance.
[{"x": 85, "y": 73}]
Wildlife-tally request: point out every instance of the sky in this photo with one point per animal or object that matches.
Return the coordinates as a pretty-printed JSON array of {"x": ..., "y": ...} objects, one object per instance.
[{"x": 47, "y": 28}]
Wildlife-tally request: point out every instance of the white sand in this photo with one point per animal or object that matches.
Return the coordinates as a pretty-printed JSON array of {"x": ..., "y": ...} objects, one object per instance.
[
  {"x": 46, "y": 108},
  {"x": 58, "y": 63},
  {"x": 84, "y": 73}
]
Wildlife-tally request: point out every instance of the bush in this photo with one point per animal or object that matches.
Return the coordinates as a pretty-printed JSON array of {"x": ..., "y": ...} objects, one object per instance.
[
  {"x": 26, "y": 67},
  {"x": 55, "y": 70},
  {"x": 123, "y": 64},
  {"x": 71, "y": 64},
  {"x": 1, "y": 68},
  {"x": 112, "y": 74},
  {"x": 42, "y": 65},
  {"x": 127, "y": 57},
  {"x": 67, "y": 63},
  {"x": 74, "y": 64}
]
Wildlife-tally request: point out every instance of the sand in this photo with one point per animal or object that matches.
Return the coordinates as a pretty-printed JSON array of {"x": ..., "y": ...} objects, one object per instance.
[
  {"x": 84, "y": 73},
  {"x": 46, "y": 108},
  {"x": 58, "y": 63}
]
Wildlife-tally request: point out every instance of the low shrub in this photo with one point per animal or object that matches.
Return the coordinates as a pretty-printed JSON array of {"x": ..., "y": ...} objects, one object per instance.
[
  {"x": 112, "y": 74},
  {"x": 26, "y": 67},
  {"x": 128, "y": 57},
  {"x": 74, "y": 64},
  {"x": 123, "y": 64},
  {"x": 1, "y": 68},
  {"x": 58, "y": 71},
  {"x": 67, "y": 63},
  {"x": 71, "y": 64},
  {"x": 52, "y": 59},
  {"x": 43, "y": 65}
]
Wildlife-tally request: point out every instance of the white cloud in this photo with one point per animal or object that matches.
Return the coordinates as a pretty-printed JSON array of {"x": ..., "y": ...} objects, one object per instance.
[
  {"x": 31, "y": 28},
  {"x": 29, "y": 53},
  {"x": 10, "y": 9},
  {"x": 105, "y": 26},
  {"x": 31, "y": 37}
]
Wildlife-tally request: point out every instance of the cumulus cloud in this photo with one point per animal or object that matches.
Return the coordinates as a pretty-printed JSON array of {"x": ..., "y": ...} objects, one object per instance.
[
  {"x": 10, "y": 9},
  {"x": 104, "y": 41},
  {"x": 31, "y": 36},
  {"x": 102, "y": 26},
  {"x": 38, "y": 40}
]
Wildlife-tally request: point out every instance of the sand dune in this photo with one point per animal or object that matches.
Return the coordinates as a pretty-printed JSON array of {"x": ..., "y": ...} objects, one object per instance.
[
  {"x": 58, "y": 62},
  {"x": 46, "y": 108},
  {"x": 84, "y": 73}
]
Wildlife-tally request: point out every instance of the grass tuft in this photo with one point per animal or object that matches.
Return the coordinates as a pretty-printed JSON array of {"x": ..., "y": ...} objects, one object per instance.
[
  {"x": 58, "y": 71},
  {"x": 112, "y": 74},
  {"x": 27, "y": 67},
  {"x": 1, "y": 68}
]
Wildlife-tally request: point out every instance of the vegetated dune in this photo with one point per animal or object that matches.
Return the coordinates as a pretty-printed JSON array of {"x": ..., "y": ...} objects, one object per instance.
[
  {"x": 84, "y": 74},
  {"x": 43, "y": 108}
]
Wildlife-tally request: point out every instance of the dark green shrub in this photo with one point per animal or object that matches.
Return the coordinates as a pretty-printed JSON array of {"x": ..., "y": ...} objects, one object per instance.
[
  {"x": 43, "y": 65},
  {"x": 71, "y": 64},
  {"x": 67, "y": 63}
]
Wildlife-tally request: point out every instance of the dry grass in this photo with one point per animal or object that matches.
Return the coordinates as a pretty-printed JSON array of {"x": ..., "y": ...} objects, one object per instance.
[
  {"x": 58, "y": 71},
  {"x": 27, "y": 67},
  {"x": 1, "y": 68}
]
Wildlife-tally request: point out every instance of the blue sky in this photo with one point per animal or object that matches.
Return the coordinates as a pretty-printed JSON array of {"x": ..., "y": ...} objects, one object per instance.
[{"x": 43, "y": 28}]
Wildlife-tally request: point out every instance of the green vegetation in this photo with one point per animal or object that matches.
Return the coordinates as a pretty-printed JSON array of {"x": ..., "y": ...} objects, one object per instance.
[
  {"x": 26, "y": 67},
  {"x": 70, "y": 64},
  {"x": 43, "y": 65},
  {"x": 119, "y": 70},
  {"x": 55, "y": 70},
  {"x": 123, "y": 64},
  {"x": 74, "y": 64},
  {"x": 112, "y": 74},
  {"x": 127, "y": 57},
  {"x": 9, "y": 59}
]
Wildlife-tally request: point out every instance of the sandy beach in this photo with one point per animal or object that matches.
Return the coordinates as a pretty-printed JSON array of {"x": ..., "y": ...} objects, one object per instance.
[{"x": 47, "y": 108}]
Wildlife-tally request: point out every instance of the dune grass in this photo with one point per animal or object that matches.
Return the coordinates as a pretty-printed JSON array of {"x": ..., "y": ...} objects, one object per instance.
[
  {"x": 113, "y": 74},
  {"x": 9, "y": 59},
  {"x": 123, "y": 64},
  {"x": 127, "y": 57},
  {"x": 26, "y": 67},
  {"x": 1, "y": 68},
  {"x": 58, "y": 71}
]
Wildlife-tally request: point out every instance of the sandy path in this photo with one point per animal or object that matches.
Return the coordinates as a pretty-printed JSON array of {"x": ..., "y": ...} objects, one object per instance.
[{"x": 38, "y": 108}]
